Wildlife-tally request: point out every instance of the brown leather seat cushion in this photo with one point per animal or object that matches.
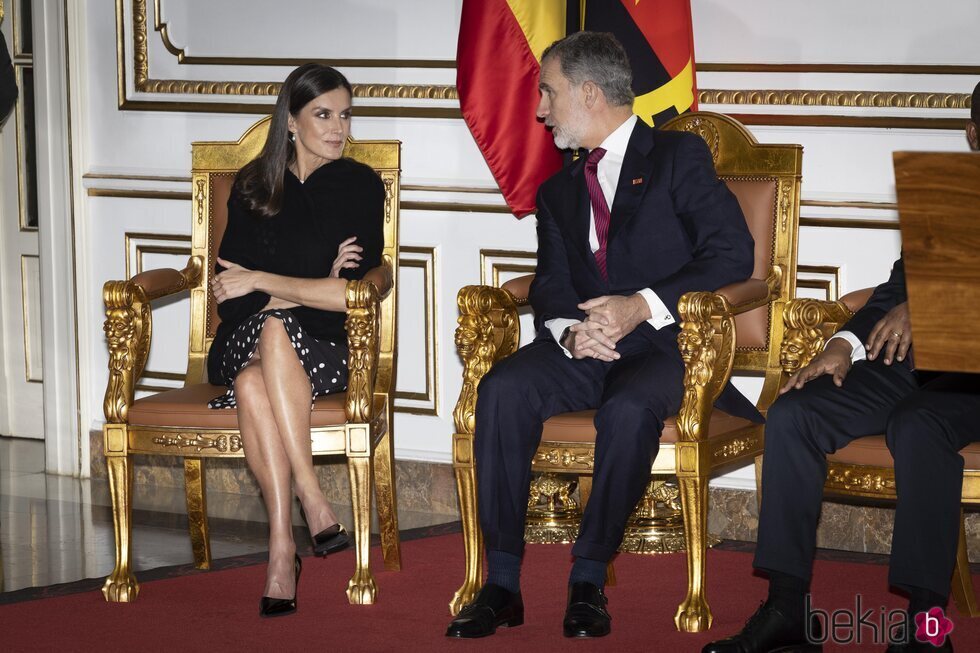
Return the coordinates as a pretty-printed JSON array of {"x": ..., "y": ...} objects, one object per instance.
[
  {"x": 579, "y": 427},
  {"x": 873, "y": 451},
  {"x": 188, "y": 407}
]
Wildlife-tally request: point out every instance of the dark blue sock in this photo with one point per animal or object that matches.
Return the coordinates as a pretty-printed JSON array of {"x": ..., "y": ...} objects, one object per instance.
[
  {"x": 504, "y": 569},
  {"x": 589, "y": 571}
]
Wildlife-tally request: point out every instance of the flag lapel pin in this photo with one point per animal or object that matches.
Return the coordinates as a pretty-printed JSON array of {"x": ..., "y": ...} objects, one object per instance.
[{"x": 638, "y": 181}]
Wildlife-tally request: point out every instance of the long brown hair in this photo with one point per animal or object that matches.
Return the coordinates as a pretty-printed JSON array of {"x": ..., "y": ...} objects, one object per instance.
[{"x": 260, "y": 182}]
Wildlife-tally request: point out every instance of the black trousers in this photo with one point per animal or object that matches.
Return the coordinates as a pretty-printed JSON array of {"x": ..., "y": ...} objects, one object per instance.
[
  {"x": 633, "y": 395},
  {"x": 925, "y": 424}
]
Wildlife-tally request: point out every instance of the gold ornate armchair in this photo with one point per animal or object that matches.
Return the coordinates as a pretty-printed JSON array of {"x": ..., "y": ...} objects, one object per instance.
[
  {"x": 357, "y": 424},
  {"x": 864, "y": 469},
  {"x": 734, "y": 329}
]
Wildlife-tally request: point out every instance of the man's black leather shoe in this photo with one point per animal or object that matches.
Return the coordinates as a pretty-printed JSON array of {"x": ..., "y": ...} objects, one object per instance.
[
  {"x": 769, "y": 631},
  {"x": 586, "y": 614},
  {"x": 493, "y": 606}
]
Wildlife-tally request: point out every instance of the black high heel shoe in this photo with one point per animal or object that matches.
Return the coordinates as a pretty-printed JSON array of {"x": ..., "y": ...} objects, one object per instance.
[
  {"x": 330, "y": 540},
  {"x": 270, "y": 607}
]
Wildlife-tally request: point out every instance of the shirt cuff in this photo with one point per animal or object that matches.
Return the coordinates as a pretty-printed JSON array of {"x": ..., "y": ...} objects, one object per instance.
[
  {"x": 858, "y": 352},
  {"x": 557, "y": 326},
  {"x": 661, "y": 315}
]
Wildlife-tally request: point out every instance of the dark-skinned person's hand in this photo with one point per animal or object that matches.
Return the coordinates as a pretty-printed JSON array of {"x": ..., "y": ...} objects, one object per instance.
[
  {"x": 835, "y": 360},
  {"x": 891, "y": 336}
]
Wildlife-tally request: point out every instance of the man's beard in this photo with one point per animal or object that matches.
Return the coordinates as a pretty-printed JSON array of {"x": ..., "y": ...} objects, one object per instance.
[{"x": 569, "y": 136}]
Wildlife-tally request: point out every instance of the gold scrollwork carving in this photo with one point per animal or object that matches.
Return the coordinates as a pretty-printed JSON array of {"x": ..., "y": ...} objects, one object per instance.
[
  {"x": 875, "y": 99},
  {"x": 808, "y": 323},
  {"x": 847, "y": 478},
  {"x": 708, "y": 133},
  {"x": 736, "y": 447},
  {"x": 127, "y": 331},
  {"x": 388, "y": 178},
  {"x": 198, "y": 442},
  {"x": 363, "y": 328},
  {"x": 707, "y": 345},
  {"x": 488, "y": 330},
  {"x": 199, "y": 198},
  {"x": 583, "y": 457}
]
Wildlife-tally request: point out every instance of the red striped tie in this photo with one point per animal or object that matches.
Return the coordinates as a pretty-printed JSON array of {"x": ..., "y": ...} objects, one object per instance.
[{"x": 600, "y": 210}]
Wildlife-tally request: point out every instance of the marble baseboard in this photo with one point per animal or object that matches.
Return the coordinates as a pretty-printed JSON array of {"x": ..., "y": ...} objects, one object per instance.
[{"x": 428, "y": 491}]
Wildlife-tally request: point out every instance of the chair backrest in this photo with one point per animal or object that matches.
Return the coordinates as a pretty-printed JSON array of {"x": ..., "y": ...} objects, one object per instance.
[
  {"x": 766, "y": 181},
  {"x": 214, "y": 167}
]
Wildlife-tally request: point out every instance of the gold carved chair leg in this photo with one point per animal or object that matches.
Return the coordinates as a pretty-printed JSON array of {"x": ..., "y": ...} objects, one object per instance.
[
  {"x": 384, "y": 464},
  {"x": 195, "y": 491},
  {"x": 584, "y": 492},
  {"x": 121, "y": 585},
  {"x": 361, "y": 589},
  {"x": 962, "y": 588},
  {"x": 758, "y": 483},
  {"x": 694, "y": 615},
  {"x": 463, "y": 466}
]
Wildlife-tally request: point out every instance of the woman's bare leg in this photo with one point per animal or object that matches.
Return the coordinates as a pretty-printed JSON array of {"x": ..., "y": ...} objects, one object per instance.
[
  {"x": 267, "y": 459},
  {"x": 289, "y": 393}
]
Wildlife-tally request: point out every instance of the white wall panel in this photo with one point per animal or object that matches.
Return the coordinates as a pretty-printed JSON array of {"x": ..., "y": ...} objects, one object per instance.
[{"x": 845, "y": 168}]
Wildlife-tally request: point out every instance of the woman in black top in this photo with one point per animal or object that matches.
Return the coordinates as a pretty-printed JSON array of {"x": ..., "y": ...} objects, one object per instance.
[{"x": 302, "y": 221}]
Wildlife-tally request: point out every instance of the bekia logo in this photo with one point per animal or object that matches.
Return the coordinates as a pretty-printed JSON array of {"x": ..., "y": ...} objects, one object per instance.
[{"x": 932, "y": 627}]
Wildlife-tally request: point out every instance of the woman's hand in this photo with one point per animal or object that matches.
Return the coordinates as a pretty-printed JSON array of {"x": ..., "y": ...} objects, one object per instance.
[
  {"x": 235, "y": 281},
  {"x": 347, "y": 257}
]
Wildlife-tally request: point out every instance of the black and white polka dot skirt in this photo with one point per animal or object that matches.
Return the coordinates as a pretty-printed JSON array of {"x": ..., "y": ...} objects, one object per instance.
[{"x": 325, "y": 362}]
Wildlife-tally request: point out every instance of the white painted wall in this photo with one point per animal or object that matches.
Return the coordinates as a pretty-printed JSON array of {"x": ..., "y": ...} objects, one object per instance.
[{"x": 840, "y": 164}]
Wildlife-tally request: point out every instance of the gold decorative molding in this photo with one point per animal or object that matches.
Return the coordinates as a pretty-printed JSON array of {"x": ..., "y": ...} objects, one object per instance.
[
  {"x": 131, "y": 238},
  {"x": 133, "y": 193},
  {"x": 432, "y": 188},
  {"x": 821, "y": 98},
  {"x": 410, "y": 205},
  {"x": 198, "y": 442},
  {"x": 571, "y": 457},
  {"x": 785, "y": 97},
  {"x": 737, "y": 446},
  {"x": 830, "y": 283},
  {"x": 849, "y": 223},
  {"x": 490, "y": 269},
  {"x": 854, "y": 69},
  {"x": 854, "y": 477},
  {"x": 430, "y": 394}
]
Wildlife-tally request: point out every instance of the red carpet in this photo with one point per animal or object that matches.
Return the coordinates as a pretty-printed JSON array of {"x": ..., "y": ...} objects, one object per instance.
[{"x": 218, "y": 611}]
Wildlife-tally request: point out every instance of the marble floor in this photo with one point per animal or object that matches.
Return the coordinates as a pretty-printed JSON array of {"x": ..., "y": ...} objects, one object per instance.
[{"x": 58, "y": 529}]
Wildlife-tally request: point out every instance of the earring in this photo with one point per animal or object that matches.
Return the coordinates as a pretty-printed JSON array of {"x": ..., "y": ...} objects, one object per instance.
[{"x": 292, "y": 136}]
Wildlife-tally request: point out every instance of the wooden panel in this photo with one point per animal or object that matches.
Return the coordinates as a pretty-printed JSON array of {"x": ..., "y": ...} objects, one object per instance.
[{"x": 939, "y": 213}]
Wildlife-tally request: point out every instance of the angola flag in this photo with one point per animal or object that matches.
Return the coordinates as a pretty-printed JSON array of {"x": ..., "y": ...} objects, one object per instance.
[
  {"x": 498, "y": 62},
  {"x": 659, "y": 41},
  {"x": 497, "y": 68}
]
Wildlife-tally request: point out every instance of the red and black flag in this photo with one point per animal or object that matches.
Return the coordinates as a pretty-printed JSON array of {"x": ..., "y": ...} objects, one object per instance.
[{"x": 659, "y": 41}]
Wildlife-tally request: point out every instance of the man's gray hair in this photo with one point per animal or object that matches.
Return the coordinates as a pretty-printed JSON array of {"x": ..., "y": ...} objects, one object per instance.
[{"x": 595, "y": 57}]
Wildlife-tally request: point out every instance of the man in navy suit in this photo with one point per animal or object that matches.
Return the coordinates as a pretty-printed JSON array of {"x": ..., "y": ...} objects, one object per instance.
[
  {"x": 623, "y": 232},
  {"x": 864, "y": 383}
]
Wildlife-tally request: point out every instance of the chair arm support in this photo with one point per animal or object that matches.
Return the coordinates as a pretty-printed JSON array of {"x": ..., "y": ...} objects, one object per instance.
[
  {"x": 363, "y": 342},
  {"x": 746, "y": 295},
  {"x": 488, "y": 330},
  {"x": 707, "y": 344},
  {"x": 128, "y": 328},
  {"x": 809, "y": 322}
]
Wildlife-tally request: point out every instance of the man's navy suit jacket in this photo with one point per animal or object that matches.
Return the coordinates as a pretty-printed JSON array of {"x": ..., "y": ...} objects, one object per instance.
[{"x": 674, "y": 228}]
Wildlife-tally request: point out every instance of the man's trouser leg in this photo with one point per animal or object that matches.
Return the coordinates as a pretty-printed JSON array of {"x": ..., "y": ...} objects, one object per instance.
[{"x": 802, "y": 427}]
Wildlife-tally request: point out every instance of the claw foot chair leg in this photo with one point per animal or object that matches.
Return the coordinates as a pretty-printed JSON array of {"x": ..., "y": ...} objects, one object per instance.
[
  {"x": 387, "y": 502},
  {"x": 195, "y": 491},
  {"x": 121, "y": 585},
  {"x": 694, "y": 615},
  {"x": 472, "y": 539},
  {"x": 361, "y": 589}
]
